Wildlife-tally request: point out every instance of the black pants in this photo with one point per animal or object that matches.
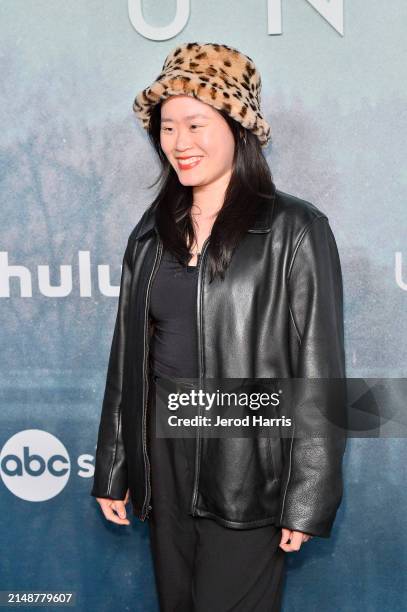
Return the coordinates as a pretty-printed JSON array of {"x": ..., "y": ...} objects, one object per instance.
[{"x": 200, "y": 565}]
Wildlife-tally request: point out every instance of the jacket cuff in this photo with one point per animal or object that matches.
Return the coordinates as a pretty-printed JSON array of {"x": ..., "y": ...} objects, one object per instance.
[
  {"x": 320, "y": 529},
  {"x": 110, "y": 478},
  {"x": 115, "y": 489}
]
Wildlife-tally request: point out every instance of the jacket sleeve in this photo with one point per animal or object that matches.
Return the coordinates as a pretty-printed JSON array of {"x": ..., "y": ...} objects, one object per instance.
[
  {"x": 312, "y": 484},
  {"x": 110, "y": 477}
]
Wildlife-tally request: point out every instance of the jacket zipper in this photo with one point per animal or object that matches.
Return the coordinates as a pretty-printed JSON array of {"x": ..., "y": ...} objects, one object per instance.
[
  {"x": 146, "y": 505},
  {"x": 201, "y": 367}
]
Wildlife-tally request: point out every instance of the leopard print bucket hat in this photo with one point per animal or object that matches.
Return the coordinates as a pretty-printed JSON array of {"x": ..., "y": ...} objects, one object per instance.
[{"x": 216, "y": 74}]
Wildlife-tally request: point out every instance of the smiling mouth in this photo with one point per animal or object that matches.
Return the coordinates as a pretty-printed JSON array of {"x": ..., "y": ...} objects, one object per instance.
[{"x": 189, "y": 162}]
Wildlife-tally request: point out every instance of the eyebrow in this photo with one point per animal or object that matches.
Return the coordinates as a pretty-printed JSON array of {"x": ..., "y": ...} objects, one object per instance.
[{"x": 188, "y": 117}]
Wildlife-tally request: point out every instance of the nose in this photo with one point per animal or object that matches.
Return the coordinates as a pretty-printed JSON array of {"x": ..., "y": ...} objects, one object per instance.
[{"x": 183, "y": 140}]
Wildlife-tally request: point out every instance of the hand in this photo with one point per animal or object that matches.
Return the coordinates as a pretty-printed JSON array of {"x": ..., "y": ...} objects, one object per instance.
[
  {"x": 119, "y": 506},
  {"x": 296, "y": 539}
]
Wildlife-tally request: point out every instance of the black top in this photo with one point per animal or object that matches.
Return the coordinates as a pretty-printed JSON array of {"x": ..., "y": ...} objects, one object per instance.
[{"x": 173, "y": 349}]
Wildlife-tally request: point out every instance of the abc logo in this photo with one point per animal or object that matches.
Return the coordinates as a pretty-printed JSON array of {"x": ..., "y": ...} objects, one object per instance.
[{"x": 34, "y": 465}]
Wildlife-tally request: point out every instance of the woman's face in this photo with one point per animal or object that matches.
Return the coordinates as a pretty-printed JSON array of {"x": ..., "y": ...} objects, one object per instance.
[{"x": 191, "y": 128}]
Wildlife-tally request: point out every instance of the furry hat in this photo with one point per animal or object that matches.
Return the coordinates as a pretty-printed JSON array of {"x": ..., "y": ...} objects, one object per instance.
[{"x": 216, "y": 74}]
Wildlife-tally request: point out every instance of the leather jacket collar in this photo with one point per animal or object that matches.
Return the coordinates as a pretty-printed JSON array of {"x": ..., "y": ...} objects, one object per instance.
[{"x": 262, "y": 223}]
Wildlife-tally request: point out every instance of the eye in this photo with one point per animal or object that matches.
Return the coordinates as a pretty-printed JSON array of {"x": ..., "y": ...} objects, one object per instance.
[
  {"x": 194, "y": 125},
  {"x": 164, "y": 129}
]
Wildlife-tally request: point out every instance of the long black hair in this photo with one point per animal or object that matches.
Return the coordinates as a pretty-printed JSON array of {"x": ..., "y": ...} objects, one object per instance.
[{"x": 250, "y": 185}]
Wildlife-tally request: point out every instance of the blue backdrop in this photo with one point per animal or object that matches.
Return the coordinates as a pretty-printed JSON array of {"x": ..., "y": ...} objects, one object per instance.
[{"x": 75, "y": 168}]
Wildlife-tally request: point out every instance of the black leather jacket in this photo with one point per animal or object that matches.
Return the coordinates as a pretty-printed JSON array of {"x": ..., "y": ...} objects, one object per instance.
[{"x": 283, "y": 292}]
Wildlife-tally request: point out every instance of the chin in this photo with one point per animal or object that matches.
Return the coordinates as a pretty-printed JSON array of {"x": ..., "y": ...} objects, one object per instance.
[{"x": 189, "y": 182}]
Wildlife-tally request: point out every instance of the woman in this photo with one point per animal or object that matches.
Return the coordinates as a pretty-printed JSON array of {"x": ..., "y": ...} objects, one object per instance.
[{"x": 224, "y": 276}]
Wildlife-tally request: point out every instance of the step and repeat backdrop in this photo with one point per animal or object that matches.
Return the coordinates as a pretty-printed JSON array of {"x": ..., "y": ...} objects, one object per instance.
[{"x": 75, "y": 170}]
